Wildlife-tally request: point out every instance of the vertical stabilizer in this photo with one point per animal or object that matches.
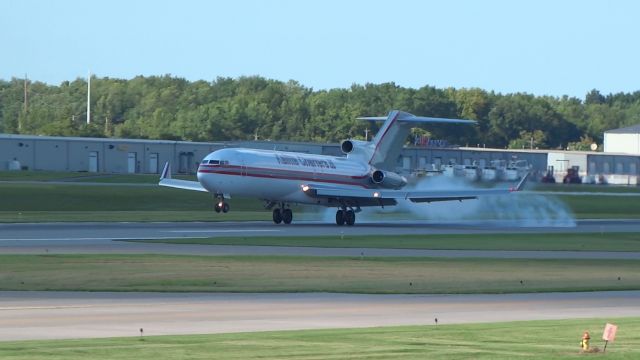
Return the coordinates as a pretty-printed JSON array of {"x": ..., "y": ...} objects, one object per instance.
[{"x": 390, "y": 139}]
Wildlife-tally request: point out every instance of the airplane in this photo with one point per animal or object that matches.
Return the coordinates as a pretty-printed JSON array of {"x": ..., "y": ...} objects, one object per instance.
[{"x": 364, "y": 177}]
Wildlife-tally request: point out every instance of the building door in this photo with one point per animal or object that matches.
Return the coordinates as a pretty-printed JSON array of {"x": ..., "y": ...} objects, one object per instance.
[
  {"x": 131, "y": 163},
  {"x": 406, "y": 163},
  {"x": 153, "y": 163},
  {"x": 93, "y": 161},
  {"x": 422, "y": 163},
  {"x": 186, "y": 160}
]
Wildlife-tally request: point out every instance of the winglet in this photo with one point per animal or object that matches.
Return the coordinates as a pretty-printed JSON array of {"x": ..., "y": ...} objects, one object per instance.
[
  {"x": 521, "y": 183},
  {"x": 166, "y": 172}
]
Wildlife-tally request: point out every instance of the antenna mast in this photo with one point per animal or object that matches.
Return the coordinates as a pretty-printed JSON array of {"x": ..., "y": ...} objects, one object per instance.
[
  {"x": 26, "y": 103},
  {"x": 89, "y": 98}
]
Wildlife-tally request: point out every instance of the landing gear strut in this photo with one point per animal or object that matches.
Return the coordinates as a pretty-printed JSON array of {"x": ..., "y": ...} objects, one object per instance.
[
  {"x": 344, "y": 216},
  {"x": 282, "y": 215}
]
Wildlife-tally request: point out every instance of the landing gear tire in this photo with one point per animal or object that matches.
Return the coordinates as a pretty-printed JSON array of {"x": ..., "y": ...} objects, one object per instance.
[
  {"x": 350, "y": 217},
  {"x": 340, "y": 218},
  {"x": 217, "y": 207},
  {"x": 277, "y": 216},
  {"x": 225, "y": 208},
  {"x": 287, "y": 216}
]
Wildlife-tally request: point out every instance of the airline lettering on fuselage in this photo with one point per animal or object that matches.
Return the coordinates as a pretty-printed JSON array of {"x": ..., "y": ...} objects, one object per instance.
[{"x": 300, "y": 161}]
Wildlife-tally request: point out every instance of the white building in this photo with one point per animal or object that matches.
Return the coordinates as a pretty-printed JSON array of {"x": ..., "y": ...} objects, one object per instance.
[{"x": 625, "y": 140}]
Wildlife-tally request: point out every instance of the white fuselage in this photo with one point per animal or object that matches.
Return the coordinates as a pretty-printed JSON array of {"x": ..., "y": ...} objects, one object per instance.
[{"x": 277, "y": 175}]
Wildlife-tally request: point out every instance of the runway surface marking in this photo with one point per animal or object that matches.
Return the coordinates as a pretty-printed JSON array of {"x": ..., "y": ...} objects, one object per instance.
[
  {"x": 64, "y": 315},
  {"x": 100, "y": 238},
  {"x": 224, "y": 231}
]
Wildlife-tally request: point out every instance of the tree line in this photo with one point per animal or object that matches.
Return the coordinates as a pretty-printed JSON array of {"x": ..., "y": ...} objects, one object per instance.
[{"x": 167, "y": 107}]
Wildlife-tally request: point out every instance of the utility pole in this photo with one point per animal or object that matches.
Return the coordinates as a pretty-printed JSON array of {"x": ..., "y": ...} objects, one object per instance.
[
  {"x": 89, "y": 98},
  {"x": 26, "y": 103}
]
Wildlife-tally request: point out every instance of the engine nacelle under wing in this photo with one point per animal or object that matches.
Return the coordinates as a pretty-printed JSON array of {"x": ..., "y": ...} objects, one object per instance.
[{"x": 388, "y": 179}]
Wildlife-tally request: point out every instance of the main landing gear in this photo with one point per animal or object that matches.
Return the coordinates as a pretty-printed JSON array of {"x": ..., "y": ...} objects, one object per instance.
[
  {"x": 282, "y": 215},
  {"x": 344, "y": 216}
]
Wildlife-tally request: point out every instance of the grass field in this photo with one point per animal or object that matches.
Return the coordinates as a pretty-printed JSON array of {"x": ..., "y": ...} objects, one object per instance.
[
  {"x": 153, "y": 179},
  {"x": 167, "y": 273},
  {"x": 69, "y": 176},
  {"x": 557, "y": 339},
  {"x": 78, "y": 200},
  {"x": 72, "y": 202},
  {"x": 140, "y": 216},
  {"x": 532, "y": 242}
]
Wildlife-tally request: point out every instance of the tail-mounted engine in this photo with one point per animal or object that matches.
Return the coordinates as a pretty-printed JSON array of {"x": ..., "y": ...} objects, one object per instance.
[
  {"x": 362, "y": 150},
  {"x": 347, "y": 146},
  {"x": 388, "y": 179}
]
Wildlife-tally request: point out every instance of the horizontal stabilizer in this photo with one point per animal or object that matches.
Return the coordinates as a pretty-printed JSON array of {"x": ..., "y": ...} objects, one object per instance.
[
  {"x": 404, "y": 116},
  {"x": 392, "y": 135}
]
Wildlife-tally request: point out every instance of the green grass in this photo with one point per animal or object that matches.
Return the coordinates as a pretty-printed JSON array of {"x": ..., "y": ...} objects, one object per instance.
[
  {"x": 59, "y": 198},
  {"x": 556, "y": 339},
  {"x": 533, "y": 241},
  {"x": 166, "y": 273},
  {"x": 45, "y": 176},
  {"x": 73, "y": 202},
  {"x": 130, "y": 216},
  {"x": 42, "y": 175},
  {"x": 603, "y": 207}
]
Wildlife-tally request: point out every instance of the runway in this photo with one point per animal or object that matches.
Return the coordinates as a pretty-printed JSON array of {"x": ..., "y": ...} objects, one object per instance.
[
  {"x": 57, "y": 315},
  {"x": 75, "y": 238},
  {"x": 60, "y": 315},
  {"x": 151, "y": 230}
]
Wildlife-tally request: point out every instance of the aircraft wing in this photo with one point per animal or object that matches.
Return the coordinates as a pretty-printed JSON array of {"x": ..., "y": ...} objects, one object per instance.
[
  {"x": 371, "y": 197},
  {"x": 166, "y": 180}
]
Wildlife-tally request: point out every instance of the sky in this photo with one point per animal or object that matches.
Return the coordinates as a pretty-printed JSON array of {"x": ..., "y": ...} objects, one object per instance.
[{"x": 542, "y": 47}]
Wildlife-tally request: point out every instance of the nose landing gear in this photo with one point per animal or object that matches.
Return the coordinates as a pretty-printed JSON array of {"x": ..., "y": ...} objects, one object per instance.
[{"x": 221, "y": 205}]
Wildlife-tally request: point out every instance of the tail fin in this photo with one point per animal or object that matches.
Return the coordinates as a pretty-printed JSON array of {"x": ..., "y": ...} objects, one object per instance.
[{"x": 390, "y": 139}]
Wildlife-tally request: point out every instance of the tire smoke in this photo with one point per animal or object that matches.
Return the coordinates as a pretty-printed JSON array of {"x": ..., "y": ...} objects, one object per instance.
[{"x": 520, "y": 209}]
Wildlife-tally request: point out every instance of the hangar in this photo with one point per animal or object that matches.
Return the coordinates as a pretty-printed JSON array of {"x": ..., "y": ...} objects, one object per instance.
[
  {"x": 110, "y": 155},
  {"x": 623, "y": 140}
]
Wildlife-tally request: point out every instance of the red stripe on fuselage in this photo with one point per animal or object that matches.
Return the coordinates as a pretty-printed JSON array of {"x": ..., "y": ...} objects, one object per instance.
[
  {"x": 247, "y": 168},
  {"x": 283, "y": 175}
]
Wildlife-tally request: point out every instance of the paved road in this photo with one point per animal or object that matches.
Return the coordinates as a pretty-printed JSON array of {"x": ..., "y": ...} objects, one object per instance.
[
  {"x": 99, "y": 238},
  {"x": 120, "y": 230},
  {"x": 48, "y": 315},
  {"x": 59, "y": 315}
]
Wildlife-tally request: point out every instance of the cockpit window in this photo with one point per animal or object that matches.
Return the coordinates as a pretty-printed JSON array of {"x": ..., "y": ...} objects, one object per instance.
[{"x": 215, "y": 162}]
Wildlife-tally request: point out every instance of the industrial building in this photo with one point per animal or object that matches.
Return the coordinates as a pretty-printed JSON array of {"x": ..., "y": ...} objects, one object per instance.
[
  {"x": 108, "y": 155},
  {"x": 623, "y": 140}
]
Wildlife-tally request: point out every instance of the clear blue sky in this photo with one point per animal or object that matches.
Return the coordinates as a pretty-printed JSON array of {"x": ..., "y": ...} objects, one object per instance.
[{"x": 539, "y": 46}]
